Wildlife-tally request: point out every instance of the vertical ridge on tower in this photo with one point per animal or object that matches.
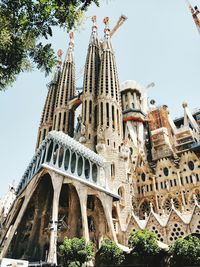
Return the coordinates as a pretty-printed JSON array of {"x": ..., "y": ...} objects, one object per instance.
[
  {"x": 90, "y": 86},
  {"x": 46, "y": 122},
  {"x": 108, "y": 89},
  {"x": 66, "y": 91}
]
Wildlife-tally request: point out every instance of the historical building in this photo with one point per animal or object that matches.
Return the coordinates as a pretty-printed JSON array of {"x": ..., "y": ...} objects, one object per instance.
[{"x": 122, "y": 164}]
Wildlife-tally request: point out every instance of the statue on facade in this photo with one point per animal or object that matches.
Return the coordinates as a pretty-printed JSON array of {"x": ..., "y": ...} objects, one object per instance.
[
  {"x": 101, "y": 135},
  {"x": 82, "y": 139},
  {"x": 125, "y": 150}
]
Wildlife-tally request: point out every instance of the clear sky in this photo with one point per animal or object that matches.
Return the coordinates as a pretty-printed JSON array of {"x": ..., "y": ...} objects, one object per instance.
[{"x": 158, "y": 43}]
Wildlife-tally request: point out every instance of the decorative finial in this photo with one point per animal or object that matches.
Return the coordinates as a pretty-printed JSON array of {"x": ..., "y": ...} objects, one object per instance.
[
  {"x": 71, "y": 37},
  {"x": 106, "y": 30},
  {"x": 184, "y": 104},
  {"x": 94, "y": 19},
  {"x": 59, "y": 54},
  {"x": 94, "y": 26},
  {"x": 106, "y": 21},
  {"x": 71, "y": 47}
]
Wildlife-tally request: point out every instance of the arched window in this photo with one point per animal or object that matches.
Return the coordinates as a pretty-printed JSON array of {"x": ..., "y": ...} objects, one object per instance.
[
  {"x": 44, "y": 134},
  {"x": 191, "y": 165},
  {"x": 107, "y": 114},
  {"x": 118, "y": 119},
  {"x": 94, "y": 172},
  {"x": 73, "y": 162},
  {"x": 59, "y": 121},
  {"x": 43, "y": 157},
  {"x": 143, "y": 177},
  {"x": 144, "y": 209},
  {"x": 113, "y": 169},
  {"x": 49, "y": 153},
  {"x": 113, "y": 117},
  {"x": 66, "y": 160},
  {"x": 55, "y": 154},
  {"x": 166, "y": 171},
  {"x": 64, "y": 121},
  {"x": 87, "y": 169},
  {"x": 60, "y": 158},
  {"x": 80, "y": 166}
]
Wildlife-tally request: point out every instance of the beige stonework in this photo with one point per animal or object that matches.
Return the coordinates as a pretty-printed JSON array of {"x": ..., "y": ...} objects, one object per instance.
[{"x": 126, "y": 166}]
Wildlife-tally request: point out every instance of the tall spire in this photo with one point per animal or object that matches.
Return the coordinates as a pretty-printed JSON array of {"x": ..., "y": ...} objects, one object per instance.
[
  {"x": 66, "y": 91},
  {"x": 107, "y": 42},
  {"x": 70, "y": 52},
  {"x": 90, "y": 86},
  {"x": 46, "y": 122},
  {"x": 109, "y": 104}
]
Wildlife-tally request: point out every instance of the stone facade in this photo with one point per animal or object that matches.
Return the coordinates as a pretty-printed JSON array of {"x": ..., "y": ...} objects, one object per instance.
[{"x": 125, "y": 165}]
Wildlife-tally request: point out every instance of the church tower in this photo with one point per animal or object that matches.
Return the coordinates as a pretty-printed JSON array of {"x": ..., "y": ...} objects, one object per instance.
[
  {"x": 63, "y": 116},
  {"x": 90, "y": 87},
  {"x": 108, "y": 97},
  {"x": 46, "y": 123}
]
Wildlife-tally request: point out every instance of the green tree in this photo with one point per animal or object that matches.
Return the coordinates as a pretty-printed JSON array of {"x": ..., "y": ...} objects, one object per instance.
[
  {"x": 144, "y": 243},
  {"x": 185, "y": 252},
  {"x": 110, "y": 253},
  {"x": 76, "y": 251},
  {"x": 24, "y": 24}
]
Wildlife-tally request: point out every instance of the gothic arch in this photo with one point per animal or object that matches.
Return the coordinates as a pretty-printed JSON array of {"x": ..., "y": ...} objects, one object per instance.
[
  {"x": 34, "y": 221},
  {"x": 167, "y": 203},
  {"x": 97, "y": 224},
  {"x": 69, "y": 213},
  {"x": 144, "y": 208}
]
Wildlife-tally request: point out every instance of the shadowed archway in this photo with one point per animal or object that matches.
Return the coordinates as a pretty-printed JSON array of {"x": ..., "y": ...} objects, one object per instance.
[{"x": 32, "y": 234}]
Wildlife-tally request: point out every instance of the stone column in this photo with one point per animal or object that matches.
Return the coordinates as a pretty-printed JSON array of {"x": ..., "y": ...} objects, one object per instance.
[
  {"x": 57, "y": 181},
  {"x": 180, "y": 185},
  {"x": 107, "y": 206},
  {"x": 82, "y": 193},
  {"x": 156, "y": 195}
]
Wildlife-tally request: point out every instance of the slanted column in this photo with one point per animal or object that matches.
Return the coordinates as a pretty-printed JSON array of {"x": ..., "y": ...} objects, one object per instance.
[
  {"x": 180, "y": 185},
  {"x": 155, "y": 190},
  {"x": 107, "y": 206},
  {"x": 57, "y": 181},
  {"x": 28, "y": 194},
  {"x": 82, "y": 193}
]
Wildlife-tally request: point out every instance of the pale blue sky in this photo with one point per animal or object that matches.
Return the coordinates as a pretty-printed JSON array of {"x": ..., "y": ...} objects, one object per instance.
[{"x": 159, "y": 42}]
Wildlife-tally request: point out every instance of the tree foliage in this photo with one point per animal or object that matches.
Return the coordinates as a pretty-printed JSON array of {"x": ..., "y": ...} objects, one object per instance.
[
  {"x": 110, "y": 253},
  {"x": 23, "y": 26},
  {"x": 144, "y": 243},
  {"x": 185, "y": 252},
  {"x": 76, "y": 251}
]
